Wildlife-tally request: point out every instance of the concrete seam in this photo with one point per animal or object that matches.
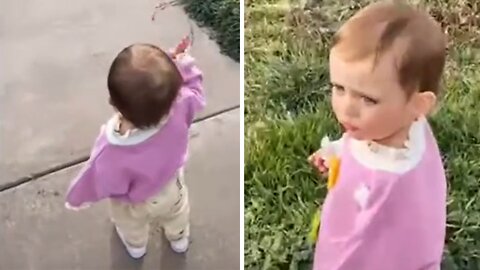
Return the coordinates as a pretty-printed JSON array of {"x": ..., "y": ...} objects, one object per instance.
[{"x": 66, "y": 165}]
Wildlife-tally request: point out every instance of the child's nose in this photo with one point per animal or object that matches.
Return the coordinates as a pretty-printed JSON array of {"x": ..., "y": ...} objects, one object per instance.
[{"x": 350, "y": 107}]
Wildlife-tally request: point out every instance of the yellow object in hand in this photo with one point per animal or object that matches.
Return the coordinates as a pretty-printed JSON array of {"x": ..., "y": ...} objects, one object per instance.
[
  {"x": 315, "y": 225},
  {"x": 333, "y": 171}
]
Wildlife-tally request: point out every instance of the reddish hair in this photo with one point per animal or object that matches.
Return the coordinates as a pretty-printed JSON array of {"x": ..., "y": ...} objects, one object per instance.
[{"x": 415, "y": 38}]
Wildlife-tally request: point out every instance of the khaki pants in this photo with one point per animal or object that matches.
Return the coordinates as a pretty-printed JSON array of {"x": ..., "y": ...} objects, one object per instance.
[{"x": 170, "y": 206}]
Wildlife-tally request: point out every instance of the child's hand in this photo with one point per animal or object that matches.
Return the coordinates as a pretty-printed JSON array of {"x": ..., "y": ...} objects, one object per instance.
[
  {"x": 320, "y": 157},
  {"x": 319, "y": 163},
  {"x": 81, "y": 207},
  {"x": 182, "y": 47}
]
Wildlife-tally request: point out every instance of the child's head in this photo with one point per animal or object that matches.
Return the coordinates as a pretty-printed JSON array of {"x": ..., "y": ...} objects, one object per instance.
[
  {"x": 143, "y": 83},
  {"x": 386, "y": 65}
]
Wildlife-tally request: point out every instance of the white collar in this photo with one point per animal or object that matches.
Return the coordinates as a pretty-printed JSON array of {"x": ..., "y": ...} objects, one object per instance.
[
  {"x": 380, "y": 157},
  {"x": 132, "y": 136}
]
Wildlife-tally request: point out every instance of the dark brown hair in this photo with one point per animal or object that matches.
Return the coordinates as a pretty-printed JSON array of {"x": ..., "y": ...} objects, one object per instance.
[
  {"x": 143, "y": 83},
  {"x": 415, "y": 38}
]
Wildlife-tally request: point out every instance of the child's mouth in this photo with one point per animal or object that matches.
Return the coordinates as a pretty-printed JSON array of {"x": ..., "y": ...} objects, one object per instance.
[{"x": 349, "y": 128}]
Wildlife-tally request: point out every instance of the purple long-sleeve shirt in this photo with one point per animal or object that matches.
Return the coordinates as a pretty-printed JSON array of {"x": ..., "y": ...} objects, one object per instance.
[
  {"x": 137, "y": 171},
  {"x": 388, "y": 208}
]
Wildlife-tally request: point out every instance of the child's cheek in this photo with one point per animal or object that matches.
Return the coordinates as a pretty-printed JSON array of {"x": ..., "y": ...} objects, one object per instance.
[{"x": 370, "y": 123}]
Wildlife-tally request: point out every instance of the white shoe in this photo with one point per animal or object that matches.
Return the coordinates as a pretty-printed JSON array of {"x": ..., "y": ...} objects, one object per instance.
[
  {"x": 134, "y": 252},
  {"x": 181, "y": 245}
]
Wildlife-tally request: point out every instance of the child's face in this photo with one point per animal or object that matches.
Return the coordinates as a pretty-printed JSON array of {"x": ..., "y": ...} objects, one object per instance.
[{"x": 369, "y": 103}]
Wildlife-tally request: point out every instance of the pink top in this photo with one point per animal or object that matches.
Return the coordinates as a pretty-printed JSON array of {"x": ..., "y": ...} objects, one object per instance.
[
  {"x": 385, "y": 216},
  {"x": 132, "y": 168}
]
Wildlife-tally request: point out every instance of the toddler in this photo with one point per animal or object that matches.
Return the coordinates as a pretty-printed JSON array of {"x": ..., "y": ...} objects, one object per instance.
[
  {"x": 387, "y": 210},
  {"x": 137, "y": 160}
]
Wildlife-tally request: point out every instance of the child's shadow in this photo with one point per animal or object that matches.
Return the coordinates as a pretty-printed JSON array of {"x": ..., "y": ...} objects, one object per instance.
[{"x": 120, "y": 260}]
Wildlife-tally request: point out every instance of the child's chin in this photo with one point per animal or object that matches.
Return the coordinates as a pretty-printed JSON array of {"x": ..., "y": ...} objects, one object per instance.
[{"x": 356, "y": 135}]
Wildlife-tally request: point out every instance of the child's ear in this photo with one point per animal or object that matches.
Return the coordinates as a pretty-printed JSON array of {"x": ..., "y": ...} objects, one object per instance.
[{"x": 424, "y": 102}]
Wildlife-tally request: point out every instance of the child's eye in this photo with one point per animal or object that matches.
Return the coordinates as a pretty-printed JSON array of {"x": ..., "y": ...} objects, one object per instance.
[
  {"x": 369, "y": 101},
  {"x": 338, "y": 88}
]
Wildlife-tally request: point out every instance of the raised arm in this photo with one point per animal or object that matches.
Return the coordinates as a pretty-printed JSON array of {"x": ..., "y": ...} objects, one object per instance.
[{"x": 192, "y": 77}]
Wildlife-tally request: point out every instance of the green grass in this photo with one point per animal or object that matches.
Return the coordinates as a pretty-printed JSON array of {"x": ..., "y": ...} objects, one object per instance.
[
  {"x": 221, "y": 16},
  {"x": 287, "y": 111}
]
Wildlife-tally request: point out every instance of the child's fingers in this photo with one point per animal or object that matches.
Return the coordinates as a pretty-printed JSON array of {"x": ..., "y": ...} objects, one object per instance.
[
  {"x": 183, "y": 45},
  {"x": 321, "y": 165},
  {"x": 322, "y": 168},
  {"x": 181, "y": 48},
  {"x": 318, "y": 162},
  {"x": 313, "y": 158}
]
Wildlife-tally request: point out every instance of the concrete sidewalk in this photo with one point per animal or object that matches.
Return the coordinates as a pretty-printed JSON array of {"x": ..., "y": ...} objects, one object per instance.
[
  {"x": 53, "y": 73},
  {"x": 53, "y": 99}
]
